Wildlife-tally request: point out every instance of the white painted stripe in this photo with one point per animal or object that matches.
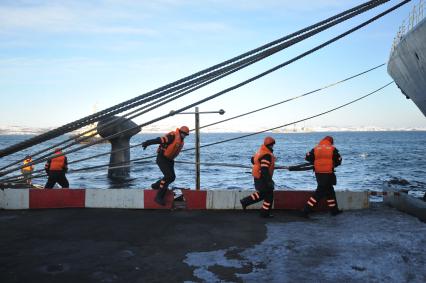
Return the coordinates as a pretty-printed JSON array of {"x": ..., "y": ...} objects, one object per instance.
[
  {"x": 228, "y": 199},
  {"x": 16, "y": 199},
  {"x": 114, "y": 198},
  {"x": 347, "y": 200},
  {"x": 221, "y": 199},
  {"x": 1, "y": 199}
]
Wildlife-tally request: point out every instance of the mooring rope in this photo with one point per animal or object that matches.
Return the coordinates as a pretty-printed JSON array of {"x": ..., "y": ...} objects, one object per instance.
[
  {"x": 135, "y": 101},
  {"x": 138, "y": 160},
  {"x": 244, "y": 82}
]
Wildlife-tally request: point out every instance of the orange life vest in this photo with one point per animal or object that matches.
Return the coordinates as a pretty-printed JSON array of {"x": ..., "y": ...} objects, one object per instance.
[
  {"x": 30, "y": 167},
  {"x": 57, "y": 163},
  {"x": 323, "y": 153},
  {"x": 172, "y": 150},
  {"x": 257, "y": 166}
]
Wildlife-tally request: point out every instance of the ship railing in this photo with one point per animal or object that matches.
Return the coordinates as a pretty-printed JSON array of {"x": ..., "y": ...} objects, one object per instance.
[{"x": 416, "y": 15}]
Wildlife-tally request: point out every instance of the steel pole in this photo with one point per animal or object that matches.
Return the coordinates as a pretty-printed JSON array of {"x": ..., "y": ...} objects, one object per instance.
[{"x": 197, "y": 149}]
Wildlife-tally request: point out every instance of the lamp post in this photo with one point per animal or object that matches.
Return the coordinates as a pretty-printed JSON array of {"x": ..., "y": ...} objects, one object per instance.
[{"x": 197, "y": 141}]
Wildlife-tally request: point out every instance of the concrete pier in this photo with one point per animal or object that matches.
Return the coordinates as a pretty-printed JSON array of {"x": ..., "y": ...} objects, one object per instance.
[{"x": 378, "y": 244}]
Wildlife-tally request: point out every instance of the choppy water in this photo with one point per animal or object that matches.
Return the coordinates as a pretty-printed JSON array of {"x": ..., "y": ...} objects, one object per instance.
[{"x": 369, "y": 159}]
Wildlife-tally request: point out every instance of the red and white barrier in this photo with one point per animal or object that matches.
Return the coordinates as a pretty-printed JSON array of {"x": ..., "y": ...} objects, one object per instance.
[
  {"x": 114, "y": 198},
  {"x": 16, "y": 199},
  {"x": 65, "y": 198},
  {"x": 149, "y": 203},
  {"x": 1, "y": 199},
  {"x": 144, "y": 199},
  {"x": 195, "y": 199},
  {"x": 292, "y": 200},
  {"x": 348, "y": 200}
]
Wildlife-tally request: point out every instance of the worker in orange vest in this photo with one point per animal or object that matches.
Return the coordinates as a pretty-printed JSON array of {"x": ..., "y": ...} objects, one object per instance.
[
  {"x": 27, "y": 171},
  {"x": 169, "y": 147},
  {"x": 56, "y": 168},
  {"x": 325, "y": 157},
  {"x": 263, "y": 169}
]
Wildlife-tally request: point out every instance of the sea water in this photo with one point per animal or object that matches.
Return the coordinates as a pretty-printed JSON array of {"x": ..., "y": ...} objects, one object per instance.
[{"x": 369, "y": 160}]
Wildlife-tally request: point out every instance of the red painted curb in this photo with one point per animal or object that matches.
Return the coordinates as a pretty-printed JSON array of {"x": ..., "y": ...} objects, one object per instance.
[
  {"x": 57, "y": 198},
  {"x": 195, "y": 199},
  {"x": 296, "y": 200},
  {"x": 149, "y": 203}
]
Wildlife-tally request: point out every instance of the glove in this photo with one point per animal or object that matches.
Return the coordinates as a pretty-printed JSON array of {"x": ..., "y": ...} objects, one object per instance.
[{"x": 144, "y": 145}]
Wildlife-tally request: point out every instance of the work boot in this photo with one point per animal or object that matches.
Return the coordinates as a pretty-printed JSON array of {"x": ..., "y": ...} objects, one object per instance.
[
  {"x": 243, "y": 204},
  {"x": 159, "y": 198},
  {"x": 155, "y": 186},
  {"x": 305, "y": 212}
]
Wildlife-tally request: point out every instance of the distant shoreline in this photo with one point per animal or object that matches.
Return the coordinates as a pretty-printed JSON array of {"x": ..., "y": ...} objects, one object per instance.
[{"x": 243, "y": 132}]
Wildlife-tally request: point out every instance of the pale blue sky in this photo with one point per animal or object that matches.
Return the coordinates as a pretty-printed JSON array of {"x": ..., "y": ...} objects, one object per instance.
[{"x": 60, "y": 58}]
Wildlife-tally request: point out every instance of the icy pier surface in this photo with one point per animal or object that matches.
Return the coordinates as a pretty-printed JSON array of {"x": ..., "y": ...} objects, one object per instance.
[{"x": 378, "y": 244}]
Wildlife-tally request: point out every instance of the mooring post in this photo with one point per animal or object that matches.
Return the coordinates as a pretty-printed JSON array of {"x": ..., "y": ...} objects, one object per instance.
[{"x": 119, "y": 162}]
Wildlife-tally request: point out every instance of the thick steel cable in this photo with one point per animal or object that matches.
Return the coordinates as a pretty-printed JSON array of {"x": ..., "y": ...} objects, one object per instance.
[
  {"x": 290, "y": 99},
  {"x": 287, "y": 37},
  {"x": 90, "y": 157},
  {"x": 110, "y": 123},
  {"x": 258, "y": 76},
  {"x": 272, "y": 69},
  {"x": 301, "y": 120},
  {"x": 244, "y": 114},
  {"x": 103, "y": 127},
  {"x": 125, "y": 105},
  {"x": 262, "y": 56},
  {"x": 138, "y": 160},
  {"x": 285, "y": 125},
  {"x": 45, "y": 157}
]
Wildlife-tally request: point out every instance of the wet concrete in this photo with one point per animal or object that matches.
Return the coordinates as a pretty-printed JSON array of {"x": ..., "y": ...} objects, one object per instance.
[{"x": 108, "y": 245}]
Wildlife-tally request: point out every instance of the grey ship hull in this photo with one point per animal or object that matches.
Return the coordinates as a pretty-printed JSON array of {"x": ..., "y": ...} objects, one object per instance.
[{"x": 407, "y": 65}]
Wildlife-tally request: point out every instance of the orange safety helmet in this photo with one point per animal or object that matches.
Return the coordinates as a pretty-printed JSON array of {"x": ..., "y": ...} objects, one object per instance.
[
  {"x": 184, "y": 129},
  {"x": 329, "y": 138},
  {"x": 269, "y": 141}
]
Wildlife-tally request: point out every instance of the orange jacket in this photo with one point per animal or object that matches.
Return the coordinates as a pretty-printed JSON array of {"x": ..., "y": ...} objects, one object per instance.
[
  {"x": 28, "y": 168},
  {"x": 323, "y": 153},
  {"x": 172, "y": 150},
  {"x": 57, "y": 163},
  {"x": 259, "y": 163}
]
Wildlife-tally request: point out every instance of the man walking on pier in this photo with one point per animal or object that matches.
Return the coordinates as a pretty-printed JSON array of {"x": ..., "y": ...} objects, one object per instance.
[
  {"x": 263, "y": 169},
  {"x": 325, "y": 157},
  {"x": 169, "y": 147},
  {"x": 56, "y": 168}
]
